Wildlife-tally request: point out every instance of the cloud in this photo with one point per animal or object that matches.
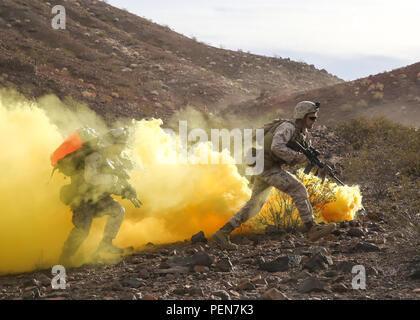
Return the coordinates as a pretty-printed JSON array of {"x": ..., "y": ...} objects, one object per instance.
[{"x": 338, "y": 29}]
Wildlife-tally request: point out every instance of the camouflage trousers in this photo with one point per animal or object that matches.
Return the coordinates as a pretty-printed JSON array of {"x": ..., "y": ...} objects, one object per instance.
[
  {"x": 83, "y": 215},
  {"x": 283, "y": 181}
]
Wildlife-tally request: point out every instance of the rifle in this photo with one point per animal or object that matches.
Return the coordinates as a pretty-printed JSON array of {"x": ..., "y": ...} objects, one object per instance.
[
  {"x": 128, "y": 192},
  {"x": 312, "y": 155}
]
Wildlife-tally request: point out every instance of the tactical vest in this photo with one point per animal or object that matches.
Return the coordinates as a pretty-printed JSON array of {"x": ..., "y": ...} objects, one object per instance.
[{"x": 269, "y": 129}]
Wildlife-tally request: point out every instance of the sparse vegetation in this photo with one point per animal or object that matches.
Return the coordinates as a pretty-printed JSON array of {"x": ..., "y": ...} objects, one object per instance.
[
  {"x": 281, "y": 213},
  {"x": 384, "y": 155},
  {"x": 347, "y": 107}
]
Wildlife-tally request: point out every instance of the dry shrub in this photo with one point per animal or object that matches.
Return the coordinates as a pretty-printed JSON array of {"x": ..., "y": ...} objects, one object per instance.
[
  {"x": 385, "y": 157},
  {"x": 280, "y": 213},
  {"x": 362, "y": 104},
  {"x": 346, "y": 107}
]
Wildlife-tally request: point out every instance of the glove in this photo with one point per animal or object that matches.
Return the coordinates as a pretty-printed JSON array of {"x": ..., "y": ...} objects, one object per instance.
[
  {"x": 299, "y": 159},
  {"x": 321, "y": 173}
]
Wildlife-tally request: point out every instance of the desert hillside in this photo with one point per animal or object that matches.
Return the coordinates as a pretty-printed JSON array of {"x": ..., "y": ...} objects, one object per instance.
[
  {"x": 394, "y": 94},
  {"x": 123, "y": 65}
]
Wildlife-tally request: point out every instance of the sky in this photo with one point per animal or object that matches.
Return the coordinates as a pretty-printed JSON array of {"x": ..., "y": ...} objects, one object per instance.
[{"x": 350, "y": 39}]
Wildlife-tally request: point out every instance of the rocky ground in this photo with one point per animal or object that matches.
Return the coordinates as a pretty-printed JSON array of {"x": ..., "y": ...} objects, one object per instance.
[{"x": 266, "y": 266}]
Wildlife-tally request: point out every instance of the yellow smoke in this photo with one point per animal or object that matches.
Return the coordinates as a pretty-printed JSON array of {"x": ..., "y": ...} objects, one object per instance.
[
  {"x": 331, "y": 203},
  {"x": 179, "y": 198}
]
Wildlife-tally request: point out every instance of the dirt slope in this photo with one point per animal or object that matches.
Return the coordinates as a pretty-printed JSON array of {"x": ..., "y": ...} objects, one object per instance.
[
  {"x": 124, "y": 65},
  {"x": 394, "y": 94}
]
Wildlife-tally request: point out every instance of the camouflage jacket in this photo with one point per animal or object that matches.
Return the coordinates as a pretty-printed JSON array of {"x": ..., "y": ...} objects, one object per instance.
[
  {"x": 100, "y": 177},
  {"x": 275, "y": 140}
]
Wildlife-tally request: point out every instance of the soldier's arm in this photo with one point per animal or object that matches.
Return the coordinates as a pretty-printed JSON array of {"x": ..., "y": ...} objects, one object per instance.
[
  {"x": 282, "y": 136},
  {"x": 92, "y": 172}
]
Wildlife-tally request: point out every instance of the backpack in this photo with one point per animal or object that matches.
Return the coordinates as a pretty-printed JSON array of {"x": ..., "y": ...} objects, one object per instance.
[
  {"x": 69, "y": 157},
  {"x": 269, "y": 129}
]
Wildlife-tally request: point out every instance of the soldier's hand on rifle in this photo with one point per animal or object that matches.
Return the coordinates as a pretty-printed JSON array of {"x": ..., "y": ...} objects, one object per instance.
[
  {"x": 300, "y": 158},
  {"x": 321, "y": 173},
  {"x": 131, "y": 194}
]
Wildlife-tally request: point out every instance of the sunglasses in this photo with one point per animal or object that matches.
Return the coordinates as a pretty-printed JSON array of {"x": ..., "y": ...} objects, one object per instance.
[{"x": 313, "y": 118}]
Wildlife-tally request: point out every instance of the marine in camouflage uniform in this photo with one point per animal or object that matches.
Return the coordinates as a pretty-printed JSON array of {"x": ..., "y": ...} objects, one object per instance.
[
  {"x": 276, "y": 156},
  {"x": 89, "y": 194}
]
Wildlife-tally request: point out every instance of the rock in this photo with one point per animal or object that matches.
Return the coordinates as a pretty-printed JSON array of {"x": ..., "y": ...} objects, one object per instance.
[
  {"x": 319, "y": 261},
  {"x": 198, "y": 237},
  {"x": 355, "y": 232},
  {"x": 132, "y": 283},
  {"x": 331, "y": 274},
  {"x": 311, "y": 285},
  {"x": 88, "y": 95},
  {"x": 417, "y": 290},
  {"x": 195, "y": 291},
  {"x": 222, "y": 294},
  {"x": 294, "y": 261},
  {"x": 116, "y": 286},
  {"x": 259, "y": 280},
  {"x": 354, "y": 223},
  {"x": 224, "y": 264},
  {"x": 28, "y": 295},
  {"x": 199, "y": 268},
  {"x": 281, "y": 264},
  {"x": 234, "y": 293},
  {"x": 115, "y": 95},
  {"x": 372, "y": 271},
  {"x": 345, "y": 266},
  {"x": 170, "y": 276},
  {"x": 32, "y": 282},
  {"x": 375, "y": 227},
  {"x": 365, "y": 247},
  {"x": 138, "y": 296},
  {"x": 143, "y": 273},
  {"x": 149, "y": 296},
  {"x": 179, "y": 291},
  {"x": 245, "y": 285},
  {"x": 344, "y": 224},
  {"x": 339, "y": 287},
  {"x": 415, "y": 275},
  {"x": 176, "y": 269},
  {"x": 202, "y": 259},
  {"x": 273, "y": 294},
  {"x": 44, "y": 280}
]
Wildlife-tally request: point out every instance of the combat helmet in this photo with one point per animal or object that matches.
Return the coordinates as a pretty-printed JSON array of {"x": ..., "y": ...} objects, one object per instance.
[{"x": 305, "y": 107}]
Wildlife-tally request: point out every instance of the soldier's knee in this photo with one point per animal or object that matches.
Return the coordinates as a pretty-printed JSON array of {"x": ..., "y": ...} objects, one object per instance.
[
  {"x": 117, "y": 210},
  {"x": 298, "y": 189},
  {"x": 80, "y": 231}
]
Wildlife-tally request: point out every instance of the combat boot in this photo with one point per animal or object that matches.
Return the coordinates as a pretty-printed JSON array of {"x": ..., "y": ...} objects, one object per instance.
[
  {"x": 106, "y": 246},
  {"x": 317, "y": 231},
  {"x": 222, "y": 237}
]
